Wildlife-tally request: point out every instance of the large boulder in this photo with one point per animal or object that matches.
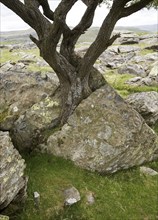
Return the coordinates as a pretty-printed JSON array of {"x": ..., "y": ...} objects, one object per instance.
[
  {"x": 12, "y": 181},
  {"x": 146, "y": 103},
  {"x": 21, "y": 90},
  {"x": 105, "y": 134}
]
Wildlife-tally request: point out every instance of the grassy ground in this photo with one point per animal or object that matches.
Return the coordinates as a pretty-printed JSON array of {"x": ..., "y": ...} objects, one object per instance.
[
  {"x": 126, "y": 195},
  {"x": 118, "y": 81}
]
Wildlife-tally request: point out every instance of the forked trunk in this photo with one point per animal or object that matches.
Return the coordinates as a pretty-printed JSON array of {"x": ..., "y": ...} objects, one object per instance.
[{"x": 71, "y": 95}]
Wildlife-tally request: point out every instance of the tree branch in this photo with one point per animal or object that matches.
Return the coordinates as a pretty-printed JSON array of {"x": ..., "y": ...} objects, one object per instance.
[
  {"x": 31, "y": 3},
  {"x": 87, "y": 18},
  {"x": 46, "y": 9},
  {"x": 135, "y": 7},
  {"x": 113, "y": 38},
  {"x": 20, "y": 9},
  {"x": 63, "y": 8},
  {"x": 29, "y": 13},
  {"x": 103, "y": 39}
]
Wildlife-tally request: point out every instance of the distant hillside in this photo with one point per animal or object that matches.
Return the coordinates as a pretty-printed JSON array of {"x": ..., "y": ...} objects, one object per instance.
[
  {"x": 89, "y": 36},
  {"x": 16, "y": 36},
  {"x": 140, "y": 28}
]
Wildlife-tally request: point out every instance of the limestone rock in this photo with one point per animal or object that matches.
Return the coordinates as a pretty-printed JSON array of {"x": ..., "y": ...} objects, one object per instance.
[
  {"x": 26, "y": 128},
  {"x": 36, "y": 197},
  {"x": 129, "y": 38},
  {"x": 146, "y": 103},
  {"x": 154, "y": 71},
  {"x": 72, "y": 196},
  {"x": 19, "y": 91},
  {"x": 105, "y": 134},
  {"x": 134, "y": 69},
  {"x": 12, "y": 180},
  {"x": 148, "y": 171},
  {"x": 127, "y": 49}
]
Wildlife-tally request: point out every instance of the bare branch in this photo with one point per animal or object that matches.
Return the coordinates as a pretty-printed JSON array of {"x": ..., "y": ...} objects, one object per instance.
[
  {"x": 63, "y": 8},
  {"x": 20, "y": 9},
  {"x": 29, "y": 13},
  {"x": 88, "y": 2},
  {"x": 87, "y": 18},
  {"x": 35, "y": 40},
  {"x": 135, "y": 7},
  {"x": 31, "y": 3},
  {"x": 113, "y": 38},
  {"x": 103, "y": 39},
  {"x": 46, "y": 9}
]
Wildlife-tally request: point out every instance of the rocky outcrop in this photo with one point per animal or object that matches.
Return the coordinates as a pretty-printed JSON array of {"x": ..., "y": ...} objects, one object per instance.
[
  {"x": 134, "y": 69},
  {"x": 106, "y": 135},
  {"x": 146, "y": 103},
  {"x": 12, "y": 181}
]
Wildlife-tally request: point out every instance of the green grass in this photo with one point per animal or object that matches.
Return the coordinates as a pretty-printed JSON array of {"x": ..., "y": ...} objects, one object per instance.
[
  {"x": 5, "y": 56},
  {"x": 118, "y": 81},
  {"x": 126, "y": 195},
  {"x": 14, "y": 56},
  {"x": 35, "y": 68}
]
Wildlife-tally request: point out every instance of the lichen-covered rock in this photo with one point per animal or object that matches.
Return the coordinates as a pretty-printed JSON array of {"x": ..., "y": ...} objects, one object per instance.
[
  {"x": 26, "y": 129},
  {"x": 146, "y": 103},
  {"x": 12, "y": 181},
  {"x": 19, "y": 91},
  {"x": 105, "y": 134}
]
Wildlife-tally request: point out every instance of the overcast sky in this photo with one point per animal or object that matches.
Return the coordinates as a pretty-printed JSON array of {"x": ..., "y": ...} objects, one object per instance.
[{"x": 10, "y": 21}]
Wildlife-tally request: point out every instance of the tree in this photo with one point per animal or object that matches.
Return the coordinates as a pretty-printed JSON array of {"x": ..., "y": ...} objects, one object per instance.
[{"x": 76, "y": 74}]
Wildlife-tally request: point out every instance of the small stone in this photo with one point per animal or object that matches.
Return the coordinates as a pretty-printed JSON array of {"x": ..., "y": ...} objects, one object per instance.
[
  {"x": 72, "y": 196},
  {"x": 36, "y": 196},
  {"x": 148, "y": 171},
  {"x": 90, "y": 198}
]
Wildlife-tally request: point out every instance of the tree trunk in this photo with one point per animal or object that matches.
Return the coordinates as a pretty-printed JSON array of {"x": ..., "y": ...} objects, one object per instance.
[
  {"x": 73, "y": 93},
  {"x": 73, "y": 86}
]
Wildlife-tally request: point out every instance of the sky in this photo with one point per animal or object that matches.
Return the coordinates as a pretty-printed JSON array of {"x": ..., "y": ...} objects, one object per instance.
[{"x": 10, "y": 21}]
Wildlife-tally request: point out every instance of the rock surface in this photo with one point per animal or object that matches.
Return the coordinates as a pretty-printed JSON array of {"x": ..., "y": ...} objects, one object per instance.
[
  {"x": 146, "y": 103},
  {"x": 19, "y": 91},
  {"x": 106, "y": 135},
  {"x": 148, "y": 171},
  {"x": 12, "y": 166},
  {"x": 72, "y": 196}
]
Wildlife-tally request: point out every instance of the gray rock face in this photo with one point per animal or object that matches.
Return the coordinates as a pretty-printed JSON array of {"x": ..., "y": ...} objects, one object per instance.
[
  {"x": 26, "y": 128},
  {"x": 12, "y": 181},
  {"x": 104, "y": 134},
  {"x": 19, "y": 91},
  {"x": 146, "y": 103},
  {"x": 148, "y": 171},
  {"x": 134, "y": 69}
]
